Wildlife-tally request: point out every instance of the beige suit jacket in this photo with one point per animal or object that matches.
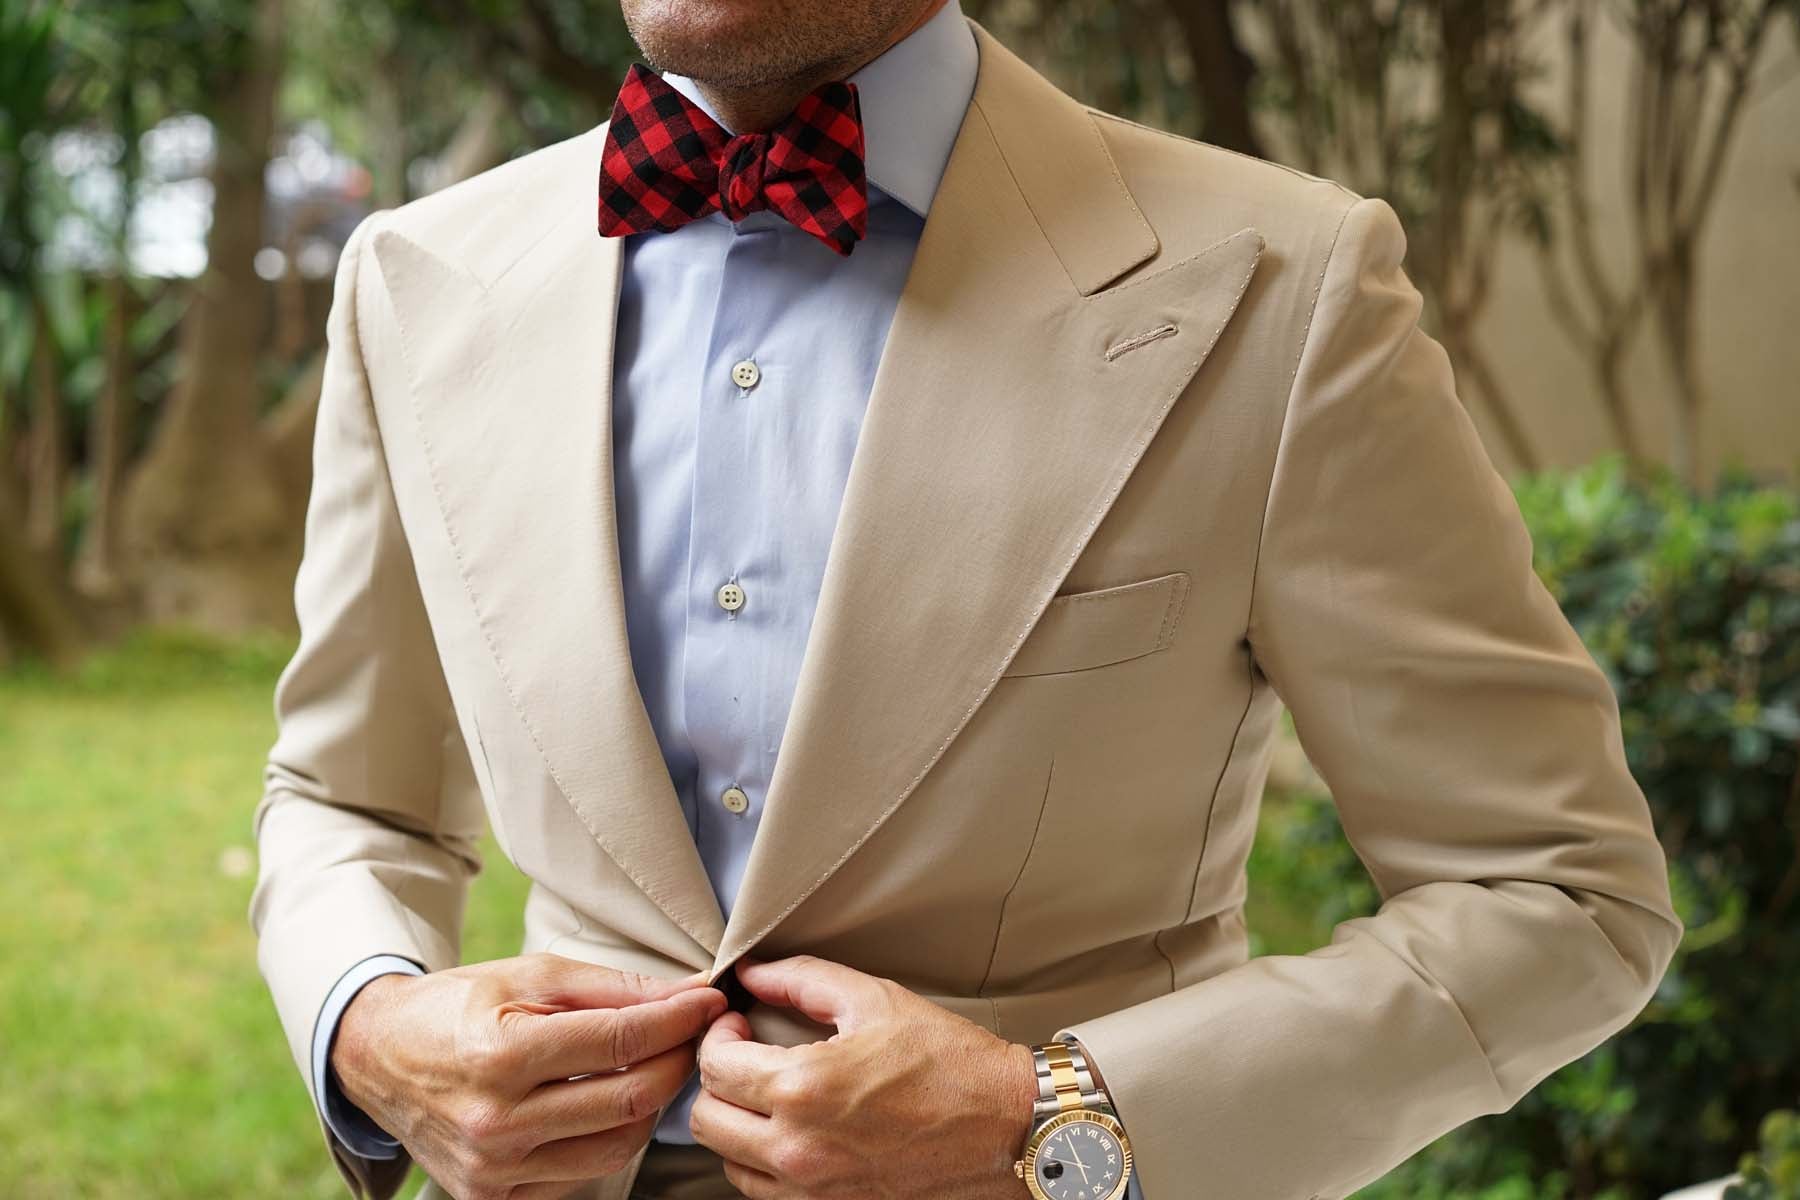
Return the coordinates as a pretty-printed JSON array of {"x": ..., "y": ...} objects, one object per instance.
[{"x": 1155, "y": 445}]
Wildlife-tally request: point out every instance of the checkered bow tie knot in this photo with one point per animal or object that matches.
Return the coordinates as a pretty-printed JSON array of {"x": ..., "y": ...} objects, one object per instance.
[{"x": 666, "y": 163}]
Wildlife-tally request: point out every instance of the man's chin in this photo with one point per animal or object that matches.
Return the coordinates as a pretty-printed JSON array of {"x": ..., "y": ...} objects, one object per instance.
[
  {"x": 728, "y": 43},
  {"x": 753, "y": 45}
]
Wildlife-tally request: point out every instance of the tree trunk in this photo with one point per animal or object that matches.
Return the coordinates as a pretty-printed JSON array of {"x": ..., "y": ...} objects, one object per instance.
[
  {"x": 1681, "y": 143},
  {"x": 110, "y": 434},
  {"x": 11, "y": 456},
  {"x": 1609, "y": 373},
  {"x": 1223, "y": 73},
  {"x": 212, "y": 536},
  {"x": 1675, "y": 319},
  {"x": 48, "y": 459},
  {"x": 289, "y": 428},
  {"x": 35, "y": 615}
]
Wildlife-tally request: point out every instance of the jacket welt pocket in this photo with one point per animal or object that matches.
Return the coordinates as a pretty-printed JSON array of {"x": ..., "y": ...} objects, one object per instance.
[{"x": 1081, "y": 630}]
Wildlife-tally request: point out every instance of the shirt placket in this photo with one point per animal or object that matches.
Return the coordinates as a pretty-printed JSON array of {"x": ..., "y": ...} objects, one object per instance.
[{"x": 734, "y": 587}]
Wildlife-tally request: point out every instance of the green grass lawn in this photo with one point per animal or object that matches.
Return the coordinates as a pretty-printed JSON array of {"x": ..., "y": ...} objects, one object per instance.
[{"x": 139, "y": 1053}]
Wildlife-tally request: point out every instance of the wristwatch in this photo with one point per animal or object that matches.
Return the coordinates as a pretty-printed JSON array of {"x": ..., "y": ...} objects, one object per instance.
[{"x": 1077, "y": 1149}]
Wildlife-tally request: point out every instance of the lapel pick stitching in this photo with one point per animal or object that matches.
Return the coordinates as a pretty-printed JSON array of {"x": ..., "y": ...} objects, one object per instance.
[{"x": 1140, "y": 339}]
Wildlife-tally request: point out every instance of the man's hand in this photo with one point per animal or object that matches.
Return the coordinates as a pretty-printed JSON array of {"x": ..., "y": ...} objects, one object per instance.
[
  {"x": 521, "y": 1078},
  {"x": 907, "y": 1098}
]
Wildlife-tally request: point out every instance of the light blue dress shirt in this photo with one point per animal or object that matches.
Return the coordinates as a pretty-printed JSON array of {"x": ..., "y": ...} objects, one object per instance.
[{"x": 745, "y": 356}]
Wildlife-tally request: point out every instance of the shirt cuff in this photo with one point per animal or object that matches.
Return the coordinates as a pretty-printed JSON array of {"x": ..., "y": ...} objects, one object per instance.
[{"x": 353, "y": 1127}]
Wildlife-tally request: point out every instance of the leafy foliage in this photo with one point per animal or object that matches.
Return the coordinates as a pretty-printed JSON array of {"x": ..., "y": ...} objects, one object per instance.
[
  {"x": 1773, "y": 1171},
  {"x": 29, "y": 111},
  {"x": 1691, "y": 604}
]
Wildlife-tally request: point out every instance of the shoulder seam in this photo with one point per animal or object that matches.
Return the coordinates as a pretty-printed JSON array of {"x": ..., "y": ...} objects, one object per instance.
[
  {"x": 1182, "y": 137},
  {"x": 357, "y": 246},
  {"x": 1287, "y": 410}
]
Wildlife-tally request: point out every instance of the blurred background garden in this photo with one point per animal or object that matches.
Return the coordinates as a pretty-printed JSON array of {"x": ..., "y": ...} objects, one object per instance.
[{"x": 1603, "y": 202}]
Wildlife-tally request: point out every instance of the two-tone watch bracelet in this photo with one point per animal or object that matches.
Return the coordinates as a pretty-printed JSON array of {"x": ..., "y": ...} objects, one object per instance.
[{"x": 1064, "y": 1080}]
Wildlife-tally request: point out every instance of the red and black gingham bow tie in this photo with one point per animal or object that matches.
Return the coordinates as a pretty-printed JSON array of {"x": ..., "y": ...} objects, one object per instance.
[{"x": 667, "y": 163}]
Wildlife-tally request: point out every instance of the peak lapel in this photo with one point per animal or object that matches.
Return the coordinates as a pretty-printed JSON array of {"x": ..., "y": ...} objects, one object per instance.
[
  {"x": 512, "y": 393},
  {"x": 998, "y": 434}
]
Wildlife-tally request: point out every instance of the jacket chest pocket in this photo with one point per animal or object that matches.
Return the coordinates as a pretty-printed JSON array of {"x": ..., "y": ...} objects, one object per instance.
[{"x": 1082, "y": 630}]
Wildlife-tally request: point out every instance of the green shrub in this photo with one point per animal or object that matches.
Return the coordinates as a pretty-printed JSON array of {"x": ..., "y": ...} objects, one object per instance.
[
  {"x": 1772, "y": 1172},
  {"x": 1691, "y": 604}
]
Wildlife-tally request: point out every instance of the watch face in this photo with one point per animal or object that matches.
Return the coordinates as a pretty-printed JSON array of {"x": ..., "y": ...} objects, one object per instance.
[{"x": 1080, "y": 1158}]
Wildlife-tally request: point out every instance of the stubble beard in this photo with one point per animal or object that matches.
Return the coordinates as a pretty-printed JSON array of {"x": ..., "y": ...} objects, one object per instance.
[{"x": 784, "y": 43}]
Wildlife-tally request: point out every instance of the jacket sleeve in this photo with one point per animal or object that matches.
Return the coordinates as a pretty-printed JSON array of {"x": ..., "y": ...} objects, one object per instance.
[
  {"x": 1472, "y": 747},
  {"x": 367, "y": 828}
]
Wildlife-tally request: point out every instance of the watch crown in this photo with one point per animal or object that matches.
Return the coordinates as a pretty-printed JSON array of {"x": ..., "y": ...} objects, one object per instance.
[{"x": 1019, "y": 1168}]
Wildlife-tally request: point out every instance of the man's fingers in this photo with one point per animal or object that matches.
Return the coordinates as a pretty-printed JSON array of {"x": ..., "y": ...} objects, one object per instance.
[
  {"x": 737, "y": 1068},
  {"x": 735, "y": 1133},
  {"x": 657, "y": 989},
  {"x": 828, "y": 992},
  {"x": 588, "y": 1156},
  {"x": 571, "y": 983},
  {"x": 568, "y": 1108},
  {"x": 562, "y": 1045}
]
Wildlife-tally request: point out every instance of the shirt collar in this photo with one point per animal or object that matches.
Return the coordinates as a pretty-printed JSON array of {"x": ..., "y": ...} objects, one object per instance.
[{"x": 913, "y": 98}]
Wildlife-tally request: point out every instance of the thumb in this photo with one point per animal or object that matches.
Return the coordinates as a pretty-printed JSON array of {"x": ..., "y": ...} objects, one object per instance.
[
  {"x": 825, "y": 991},
  {"x": 728, "y": 1026}
]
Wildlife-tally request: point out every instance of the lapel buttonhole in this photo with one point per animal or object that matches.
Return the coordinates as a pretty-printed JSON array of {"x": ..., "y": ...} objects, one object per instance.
[{"x": 1140, "y": 339}]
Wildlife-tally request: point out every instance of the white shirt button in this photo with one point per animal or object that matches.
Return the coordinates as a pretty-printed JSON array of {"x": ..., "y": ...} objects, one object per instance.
[
  {"x": 746, "y": 374},
  {"x": 734, "y": 799},
  {"x": 731, "y": 597}
]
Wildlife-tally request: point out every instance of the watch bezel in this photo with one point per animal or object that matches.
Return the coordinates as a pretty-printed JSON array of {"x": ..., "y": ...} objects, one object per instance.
[{"x": 1105, "y": 1120}]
